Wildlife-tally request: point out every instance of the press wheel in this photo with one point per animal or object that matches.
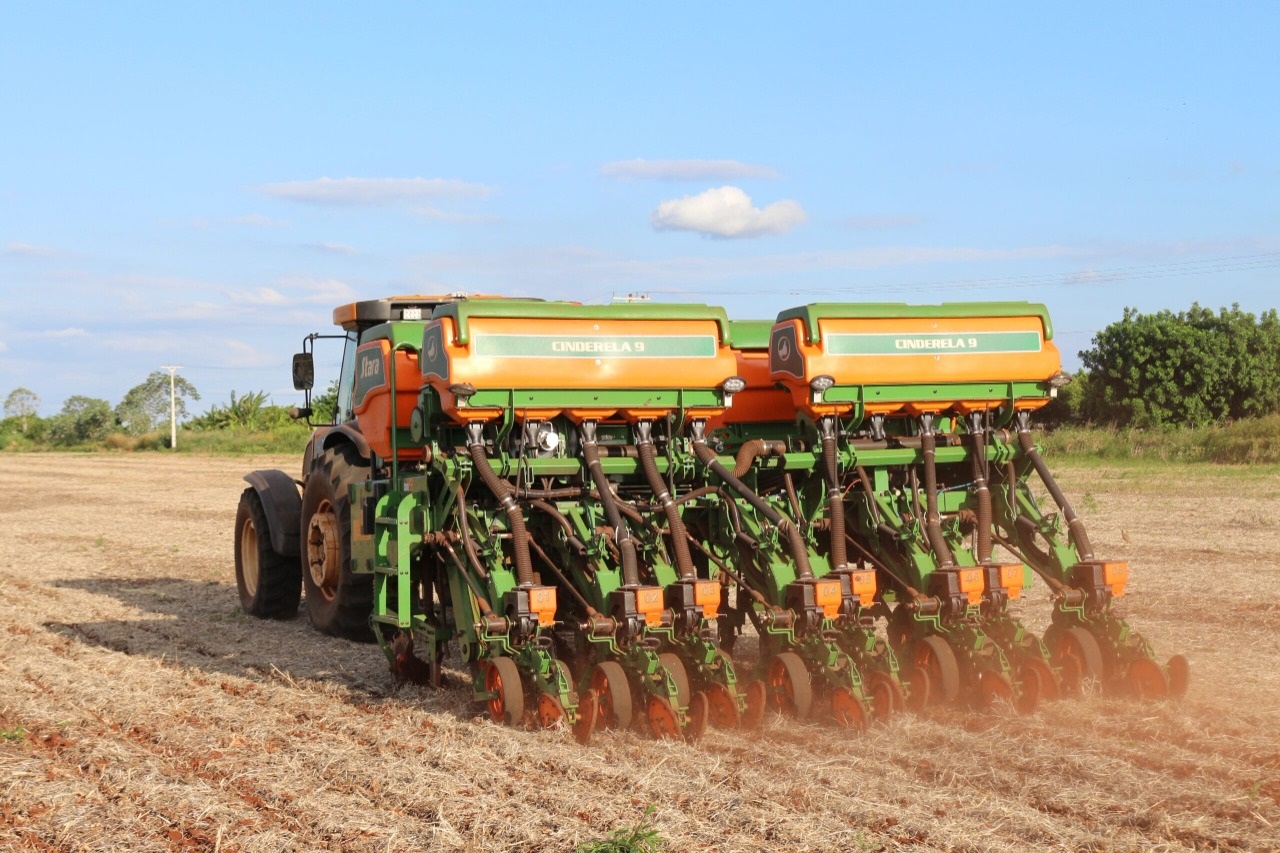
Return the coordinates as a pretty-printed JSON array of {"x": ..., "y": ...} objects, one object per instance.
[
  {"x": 789, "y": 688},
  {"x": 1078, "y": 655},
  {"x": 934, "y": 655},
  {"x": 887, "y": 695},
  {"x": 609, "y": 681},
  {"x": 1147, "y": 680},
  {"x": 847, "y": 710},
  {"x": 675, "y": 666},
  {"x": 502, "y": 680}
]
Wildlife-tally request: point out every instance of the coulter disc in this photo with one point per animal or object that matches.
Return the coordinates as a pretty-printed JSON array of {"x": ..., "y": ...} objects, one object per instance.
[
  {"x": 1147, "y": 679},
  {"x": 723, "y": 706},
  {"x": 847, "y": 710},
  {"x": 662, "y": 718},
  {"x": 789, "y": 688},
  {"x": 918, "y": 689},
  {"x": 699, "y": 710},
  {"x": 994, "y": 686},
  {"x": 1048, "y": 680},
  {"x": 609, "y": 681},
  {"x": 588, "y": 708},
  {"x": 1029, "y": 690},
  {"x": 550, "y": 710},
  {"x": 757, "y": 700},
  {"x": 887, "y": 695},
  {"x": 502, "y": 679},
  {"x": 1179, "y": 670}
]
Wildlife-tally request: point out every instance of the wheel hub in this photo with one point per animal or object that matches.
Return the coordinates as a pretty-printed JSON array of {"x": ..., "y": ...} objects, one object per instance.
[{"x": 324, "y": 555}]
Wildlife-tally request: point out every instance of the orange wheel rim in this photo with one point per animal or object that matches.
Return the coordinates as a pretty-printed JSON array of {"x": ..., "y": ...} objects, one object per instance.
[
  {"x": 757, "y": 698},
  {"x": 588, "y": 710},
  {"x": 780, "y": 689},
  {"x": 1147, "y": 680},
  {"x": 995, "y": 686},
  {"x": 662, "y": 718},
  {"x": 550, "y": 710},
  {"x": 493, "y": 684},
  {"x": 847, "y": 710},
  {"x": 723, "y": 707}
]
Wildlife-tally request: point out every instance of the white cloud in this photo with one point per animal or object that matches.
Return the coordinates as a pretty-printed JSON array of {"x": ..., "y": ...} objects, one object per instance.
[
  {"x": 71, "y": 332},
  {"x": 726, "y": 212},
  {"x": 437, "y": 215},
  {"x": 27, "y": 250},
  {"x": 3, "y": 346},
  {"x": 685, "y": 170},
  {"x": 257, "y": 220},
  {"x": 372, "y": 191},
  {"x": 295, "y": 291},
  {"x": 334, "y": 248},
  {"x": 883, "y": 222}
]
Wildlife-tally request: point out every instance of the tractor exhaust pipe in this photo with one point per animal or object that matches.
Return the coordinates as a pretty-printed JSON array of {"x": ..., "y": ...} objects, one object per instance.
[
  {"x": 675, "y": 524},
  {"x": 503, "y": 491},
  {"x": 707, "y": 457},
  {"x": 621, "y": 533},
  {"x": 1074, "y": 523}
]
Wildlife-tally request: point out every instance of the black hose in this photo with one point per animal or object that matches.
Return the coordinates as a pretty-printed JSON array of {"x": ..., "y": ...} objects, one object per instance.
[
  {"x": 979, "y": 463},
  {"x": 675, "y": 524},
  {"x": 932, "y": 520},
  {"x": 754, "y": 448},
  {"x": 835, "y": 502},
  {"x": 503, "y": 490},
  {"x": 559, "y": 519},
  {"x": 621, "y": 534},
  {"x": 1074, "y": 523},
  {"x": 707, "y": 457}
]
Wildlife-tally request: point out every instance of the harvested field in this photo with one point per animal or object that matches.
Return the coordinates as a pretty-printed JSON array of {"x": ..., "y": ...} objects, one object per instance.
[{"x": 140, "y": 710}]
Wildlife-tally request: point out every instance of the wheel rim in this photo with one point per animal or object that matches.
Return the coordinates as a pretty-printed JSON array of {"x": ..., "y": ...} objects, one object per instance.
[
  {"x": 1179, "y": 676},
  {"x": 502, "y": 680},
  {"x": 324, "y": 550},
  {"x": 886, "y": 694},
  {"x": 613, "y": 695},
  {"x": 1147, "y": 679},
  {"x": 662, "y": 718},
  {"x": 723, "y": 707},
  {"x": 1080, "y": 657},
  {"x": 847, "y": 710},
  {"x": 789, "y": 688},
  {"x": 934, "y": 656},
  {"x": 249, "y": 557}
]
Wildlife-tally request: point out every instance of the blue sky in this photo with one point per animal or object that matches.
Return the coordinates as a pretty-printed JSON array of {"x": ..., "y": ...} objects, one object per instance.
[{"x": 201, "y": 185}]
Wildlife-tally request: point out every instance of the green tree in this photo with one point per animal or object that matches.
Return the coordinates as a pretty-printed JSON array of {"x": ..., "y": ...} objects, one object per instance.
[
  {"x": 22, "y": 403},
  {"x": 324, "y": 406},
  {"x": 146, "y": 405},
  {"x": 1067, "y": 407},
  {"x": 1186, "y": 369},
  {"x": 82, "y": 420}
]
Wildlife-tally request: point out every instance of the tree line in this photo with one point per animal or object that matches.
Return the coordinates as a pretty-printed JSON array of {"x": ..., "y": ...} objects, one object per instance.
[{"x": 1169, "y": 369}]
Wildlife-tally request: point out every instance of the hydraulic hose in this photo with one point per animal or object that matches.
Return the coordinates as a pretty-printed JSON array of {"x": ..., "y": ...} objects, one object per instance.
[
  {"x": 1074, "y": 524},
  {"x": 707, "y": 457},
  {"x": 559, "y": 519},
  {"x": 932, "y": 520},
  {"x": 978, "y": 459},
  {"x": 835, "y": 501},
  {"x": 675, "y": 524},
  {"x": 621, "y": 534},
  {"x": 503, "y": 491}
]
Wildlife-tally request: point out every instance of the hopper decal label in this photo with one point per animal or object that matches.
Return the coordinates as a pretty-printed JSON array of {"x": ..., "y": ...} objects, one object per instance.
[
  {"x": 784, "y": 353},
  {"x": 432, "y": 359},
  {"x": 370, "y": 372},
  {"x": 933, "y": 343},
  {"x": 595, "y": 346}
]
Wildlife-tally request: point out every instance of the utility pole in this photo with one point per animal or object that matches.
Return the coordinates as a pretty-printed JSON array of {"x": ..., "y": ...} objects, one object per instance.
[{"x": 173, "y": 405}]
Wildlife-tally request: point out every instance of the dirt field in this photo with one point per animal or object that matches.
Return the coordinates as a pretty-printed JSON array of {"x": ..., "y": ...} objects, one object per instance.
[{"x": 139, "y": 710}]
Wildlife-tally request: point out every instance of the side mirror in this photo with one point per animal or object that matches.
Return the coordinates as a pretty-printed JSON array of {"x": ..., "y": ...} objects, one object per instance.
[{"x": 304, "y": 371}]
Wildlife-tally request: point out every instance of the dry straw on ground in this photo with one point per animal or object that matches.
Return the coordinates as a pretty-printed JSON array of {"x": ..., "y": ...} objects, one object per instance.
[{"x": 139, "y": 710}]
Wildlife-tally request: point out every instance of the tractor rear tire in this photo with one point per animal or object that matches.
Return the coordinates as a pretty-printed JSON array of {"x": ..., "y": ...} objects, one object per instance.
[
  {"x": 270, "y": 583},
  {"x": 339, "y": 601}
]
